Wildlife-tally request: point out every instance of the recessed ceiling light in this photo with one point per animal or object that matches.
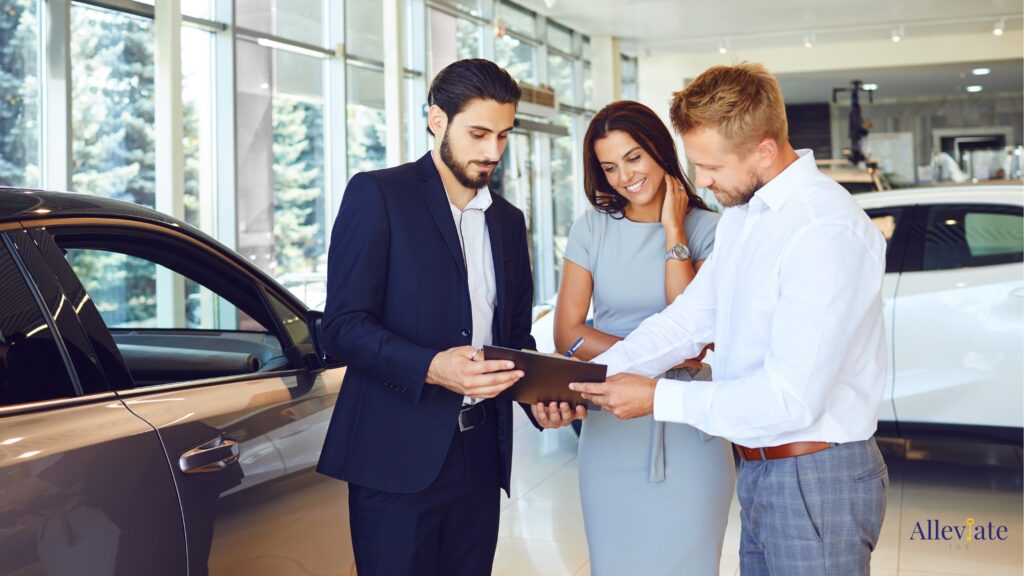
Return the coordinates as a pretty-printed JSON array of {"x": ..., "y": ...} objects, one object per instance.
[
  {"x": 974, "y": 88},
  {"x": 722, "y": 48},
  {"x": 980, "y": 71},
  {"x": 897, "y": 34},
  {"x": 999, "y": 27},
  {"x": 870, "y": 87}
]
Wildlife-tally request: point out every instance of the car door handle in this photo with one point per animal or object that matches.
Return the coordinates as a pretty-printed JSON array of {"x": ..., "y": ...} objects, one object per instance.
[{"x": 211, "y": 456}]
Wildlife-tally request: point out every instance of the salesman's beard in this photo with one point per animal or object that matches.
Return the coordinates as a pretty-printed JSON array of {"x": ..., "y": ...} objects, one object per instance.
[{"x": 461, "y": 171}]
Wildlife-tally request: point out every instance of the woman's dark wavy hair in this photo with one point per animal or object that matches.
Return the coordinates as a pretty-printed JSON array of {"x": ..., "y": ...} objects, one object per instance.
[{"x": 644, "y": 126}]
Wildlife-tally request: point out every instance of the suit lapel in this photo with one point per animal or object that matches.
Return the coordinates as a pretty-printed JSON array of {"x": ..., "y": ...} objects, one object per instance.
[
  {"x": 436, "y": 199},
  {"x": 498, "y": 254}
]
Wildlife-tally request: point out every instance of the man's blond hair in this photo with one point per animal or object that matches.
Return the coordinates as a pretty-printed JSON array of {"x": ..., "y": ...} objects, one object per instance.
[{"x": 743, "y": 102}]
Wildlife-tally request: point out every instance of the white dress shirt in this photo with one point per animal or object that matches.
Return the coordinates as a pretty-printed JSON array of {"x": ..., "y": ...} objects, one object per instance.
[
  {"x": 791, "y": 297},
  {"x": 471, "y": 227}
]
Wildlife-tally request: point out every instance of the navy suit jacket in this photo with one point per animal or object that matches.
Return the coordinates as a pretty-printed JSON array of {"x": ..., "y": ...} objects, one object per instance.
[{"x": 397, "y": 294}]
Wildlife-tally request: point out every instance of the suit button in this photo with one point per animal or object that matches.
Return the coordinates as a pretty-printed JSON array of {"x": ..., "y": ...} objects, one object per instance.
[{"x": 465, "y": 333}]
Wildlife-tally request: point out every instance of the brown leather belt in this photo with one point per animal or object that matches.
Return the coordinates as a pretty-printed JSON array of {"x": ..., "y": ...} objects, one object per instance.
[{"x": 784, "y": 451}]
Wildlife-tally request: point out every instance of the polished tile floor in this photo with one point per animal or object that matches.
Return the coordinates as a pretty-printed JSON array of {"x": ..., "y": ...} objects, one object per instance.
[{"x": 542, "y": 525}]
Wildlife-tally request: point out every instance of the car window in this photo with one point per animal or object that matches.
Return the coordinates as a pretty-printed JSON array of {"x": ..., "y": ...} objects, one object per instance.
[
  {"x": 969, "y": 236},
  {"x": 32, "y": 367},
  {"x": 124, "y": 289},
  {"x": 888, "y": 221},
  {"x": 200, "y": 335}
]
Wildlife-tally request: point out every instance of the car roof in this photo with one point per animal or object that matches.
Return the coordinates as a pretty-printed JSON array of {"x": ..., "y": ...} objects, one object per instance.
[
  {"x": 26, "y": 204},
  {"x": 969, "y": 194}
]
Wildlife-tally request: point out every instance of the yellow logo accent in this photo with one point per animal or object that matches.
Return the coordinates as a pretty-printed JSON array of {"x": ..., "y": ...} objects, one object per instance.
[{"x": 970, "y": 526}]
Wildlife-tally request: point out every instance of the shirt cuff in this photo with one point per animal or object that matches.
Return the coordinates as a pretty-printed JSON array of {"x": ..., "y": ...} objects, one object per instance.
[{"x": 668, "y": 400}]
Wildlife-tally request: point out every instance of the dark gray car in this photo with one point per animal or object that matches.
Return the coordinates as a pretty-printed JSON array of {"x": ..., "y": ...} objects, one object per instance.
[{"x": 162, "y": 402}]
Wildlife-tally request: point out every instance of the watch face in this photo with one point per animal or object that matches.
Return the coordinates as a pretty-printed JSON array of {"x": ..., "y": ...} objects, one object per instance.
[{"x": 680, "y": 251}]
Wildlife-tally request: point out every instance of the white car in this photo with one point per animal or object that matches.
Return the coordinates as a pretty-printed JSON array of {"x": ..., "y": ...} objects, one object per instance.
[{"x": 954, "y": 310}]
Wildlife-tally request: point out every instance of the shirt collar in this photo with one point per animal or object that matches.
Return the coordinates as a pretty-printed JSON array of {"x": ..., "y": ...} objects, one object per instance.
[
  {"x": 482, "y": 201},
  {"x": 779, "y": 189}
]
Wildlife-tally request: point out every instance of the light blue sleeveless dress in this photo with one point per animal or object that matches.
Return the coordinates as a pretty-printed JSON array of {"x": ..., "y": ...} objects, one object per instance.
[{"x": 655, "y": 495}]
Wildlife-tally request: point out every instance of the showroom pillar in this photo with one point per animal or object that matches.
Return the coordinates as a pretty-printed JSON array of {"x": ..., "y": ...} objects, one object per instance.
[
  {"x": 606, "y": 69},
  {"x": 56, "y": 116},
  {"x": 170, "y": 163}
]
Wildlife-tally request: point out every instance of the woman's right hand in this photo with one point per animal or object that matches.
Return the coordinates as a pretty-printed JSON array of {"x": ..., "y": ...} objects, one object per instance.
[{"x": 675, "y": 205}]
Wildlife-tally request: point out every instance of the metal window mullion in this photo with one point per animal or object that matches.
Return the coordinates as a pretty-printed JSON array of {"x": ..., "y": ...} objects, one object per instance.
[
  {"x": 170, "y": 158},
  {"x": 56, "y": 136},
  {"x": 335, "y": 124},
  {"x": 394, "y": 80},
  {"x": 282, "y": 43},
  {"x": 225, "y": 216}
]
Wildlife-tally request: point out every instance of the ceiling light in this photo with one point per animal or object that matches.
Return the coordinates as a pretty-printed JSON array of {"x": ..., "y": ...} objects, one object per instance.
[
  {"x": 897, "y": 34},
  {"x": 974, "y": 88},
  {"x": 980, "y": 71},
  {"x": 722, "y": 48},
  {"x": 809, "y": 41},
  {"x": 999, "y": 27},
  {"x": 870, "y": 87}
]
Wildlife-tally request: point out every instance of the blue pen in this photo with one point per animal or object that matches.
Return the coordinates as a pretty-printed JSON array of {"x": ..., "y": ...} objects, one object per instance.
[{"x": 575, "y": 346}]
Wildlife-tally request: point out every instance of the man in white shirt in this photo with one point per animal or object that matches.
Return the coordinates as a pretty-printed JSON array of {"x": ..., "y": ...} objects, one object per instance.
[{"x": 791, "y": 297}]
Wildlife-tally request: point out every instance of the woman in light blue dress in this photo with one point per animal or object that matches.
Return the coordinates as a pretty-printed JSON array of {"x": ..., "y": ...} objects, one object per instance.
[{"x": 655, "y": 495}]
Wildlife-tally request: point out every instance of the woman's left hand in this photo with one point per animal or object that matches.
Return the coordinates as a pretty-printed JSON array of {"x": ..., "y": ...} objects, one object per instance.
[{"x": 675, "y": 205}]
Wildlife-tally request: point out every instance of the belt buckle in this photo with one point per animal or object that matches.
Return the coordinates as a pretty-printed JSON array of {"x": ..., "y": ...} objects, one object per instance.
[{"x": 463, "y": 427}]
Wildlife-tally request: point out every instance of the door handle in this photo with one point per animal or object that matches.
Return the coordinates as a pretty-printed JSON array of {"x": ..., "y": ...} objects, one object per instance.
[{"x": 211, "y": 456}]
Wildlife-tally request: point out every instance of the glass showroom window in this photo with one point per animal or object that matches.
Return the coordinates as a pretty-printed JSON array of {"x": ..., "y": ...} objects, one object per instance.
[
  {"x": 300, "y": 20},
  {"x": 451, "y": 38},
  {"x": 630, "y": 89},
  {"x": 19, "y": 93},
  {"x": 588, "y": 86},
  {"x": 560, "y": 78},
  {"x": 518, "y": 57},
  {"x": 364, "y": 29},
  {"x": 560, "y": 37},
  {"x": 280, "y": 178},
  {"x": 564, "y": 192},
  {"x": 197, "y": 124},
  {"x": 112, "y": 105},
  {"x": 367, "y": 139}
]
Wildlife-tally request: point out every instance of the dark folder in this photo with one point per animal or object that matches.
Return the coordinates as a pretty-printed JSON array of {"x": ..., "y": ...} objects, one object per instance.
[{"x": 546, "y": 377}]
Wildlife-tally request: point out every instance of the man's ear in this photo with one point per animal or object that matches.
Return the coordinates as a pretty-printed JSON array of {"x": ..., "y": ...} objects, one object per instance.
[
  {"x": 437, "y": 120},
  {"x": 767, "y": 152}
]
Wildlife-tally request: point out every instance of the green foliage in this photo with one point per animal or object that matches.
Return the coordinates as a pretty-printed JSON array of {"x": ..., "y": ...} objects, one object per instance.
[{"x": 19, "y": 102}]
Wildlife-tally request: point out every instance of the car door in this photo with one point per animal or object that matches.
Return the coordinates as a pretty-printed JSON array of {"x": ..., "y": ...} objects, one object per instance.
[
  {"x": 894, "y": 223},
  {"x": 227, "y": 378},
  {"x": 958, "y": 320},
  {"x": 85, "y": 486}
]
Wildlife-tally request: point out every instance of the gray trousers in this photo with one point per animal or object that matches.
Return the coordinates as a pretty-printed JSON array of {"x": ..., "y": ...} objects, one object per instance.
[{"x": 814, "y": 515}]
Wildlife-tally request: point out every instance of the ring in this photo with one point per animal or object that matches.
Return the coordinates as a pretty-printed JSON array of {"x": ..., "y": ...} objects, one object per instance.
[{"x": 473, "y": 357}]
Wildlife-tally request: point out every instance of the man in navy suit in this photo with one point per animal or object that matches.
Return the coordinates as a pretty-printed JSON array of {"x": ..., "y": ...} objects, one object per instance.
[{"x": 426, "y": 266}]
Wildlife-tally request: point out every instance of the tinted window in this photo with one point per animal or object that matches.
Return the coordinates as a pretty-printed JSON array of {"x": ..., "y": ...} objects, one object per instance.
[
  {"x": 968, "y": 236},
  {"x": 126, "y": 299},
  {"x": 888, "y": 221},
  {"x": 32, "y": 367}
]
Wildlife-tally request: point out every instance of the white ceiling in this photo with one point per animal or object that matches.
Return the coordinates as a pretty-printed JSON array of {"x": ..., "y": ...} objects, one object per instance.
[
  {"x": 904, "y": 82},
  {"x": 692, "y": 25}
]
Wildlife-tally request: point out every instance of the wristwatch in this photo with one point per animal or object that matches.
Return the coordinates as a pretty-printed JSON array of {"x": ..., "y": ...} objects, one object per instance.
[{"x": 678, "y": 252}]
